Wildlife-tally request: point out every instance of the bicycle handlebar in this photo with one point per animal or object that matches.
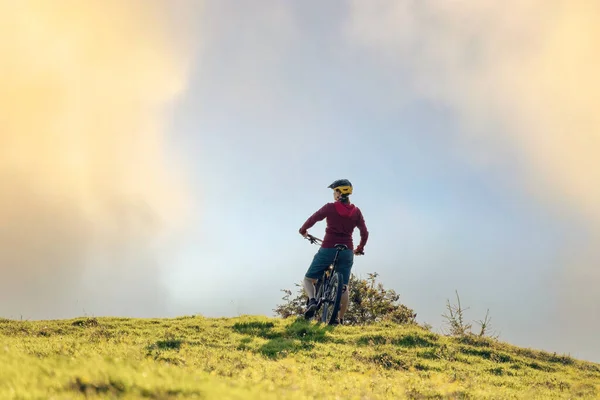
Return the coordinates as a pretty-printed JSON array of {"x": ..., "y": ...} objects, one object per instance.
[{"x": 313, "y": 239}]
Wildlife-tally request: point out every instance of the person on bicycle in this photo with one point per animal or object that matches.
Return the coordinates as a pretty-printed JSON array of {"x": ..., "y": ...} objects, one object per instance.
[{"x": 342, "y": 217}]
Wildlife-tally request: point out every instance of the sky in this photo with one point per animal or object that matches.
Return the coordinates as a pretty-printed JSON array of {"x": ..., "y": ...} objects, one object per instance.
[{"x": 158, "y": 158}]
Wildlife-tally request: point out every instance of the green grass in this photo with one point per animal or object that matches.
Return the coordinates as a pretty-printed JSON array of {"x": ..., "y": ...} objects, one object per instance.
[{"x": 263, "y": 358}]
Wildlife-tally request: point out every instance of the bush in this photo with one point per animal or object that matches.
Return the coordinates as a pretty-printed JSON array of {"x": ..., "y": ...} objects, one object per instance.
[{"x": 369, "y": 302}]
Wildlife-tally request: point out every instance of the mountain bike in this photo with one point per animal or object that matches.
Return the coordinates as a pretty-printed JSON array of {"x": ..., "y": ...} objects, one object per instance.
[{"x": 328, "y": 288}]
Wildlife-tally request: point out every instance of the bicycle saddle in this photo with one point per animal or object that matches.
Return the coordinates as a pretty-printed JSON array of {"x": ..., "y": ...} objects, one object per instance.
[{"x": 341, "y": 247}]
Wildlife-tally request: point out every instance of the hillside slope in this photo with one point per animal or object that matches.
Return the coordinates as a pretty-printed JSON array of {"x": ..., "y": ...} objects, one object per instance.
[{"x": 263, "y": 358}]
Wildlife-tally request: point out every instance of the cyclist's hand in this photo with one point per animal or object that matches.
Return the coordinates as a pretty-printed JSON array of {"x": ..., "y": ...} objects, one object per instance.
[
  {"x": 305, "y": 234},
  {"x": 359, "y": 252}
]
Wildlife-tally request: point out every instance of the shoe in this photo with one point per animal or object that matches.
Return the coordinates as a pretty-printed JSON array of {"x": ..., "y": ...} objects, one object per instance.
[
  {"x": 337, "y": 321},
  {"x": 310, "y": 309}
]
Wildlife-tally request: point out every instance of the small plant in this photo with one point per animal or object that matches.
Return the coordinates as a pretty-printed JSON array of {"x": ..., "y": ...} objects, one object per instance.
[
  {"x": 87, "y": 322},
  {"x": 292, "y": 307},
  {"x": 455, "y": 320},
  {"x": 485, "y": 326}
]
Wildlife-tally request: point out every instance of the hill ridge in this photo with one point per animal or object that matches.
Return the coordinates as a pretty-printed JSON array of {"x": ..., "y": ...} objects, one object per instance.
[{"x": 250, "y": 357}]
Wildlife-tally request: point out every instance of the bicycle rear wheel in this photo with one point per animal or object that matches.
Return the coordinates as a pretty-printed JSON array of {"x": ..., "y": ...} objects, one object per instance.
[{"x": 333, "y": 298}]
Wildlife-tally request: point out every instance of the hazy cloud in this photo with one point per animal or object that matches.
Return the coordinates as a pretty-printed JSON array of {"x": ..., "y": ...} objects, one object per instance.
[
  {"x": 518, "y": 73},
  {"x": 85, "y": 186},
  {"x": 522, "y": 77}
]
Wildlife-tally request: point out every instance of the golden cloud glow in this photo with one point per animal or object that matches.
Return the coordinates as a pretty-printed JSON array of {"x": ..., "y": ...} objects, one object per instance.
[{"x": 83, "y": 160}]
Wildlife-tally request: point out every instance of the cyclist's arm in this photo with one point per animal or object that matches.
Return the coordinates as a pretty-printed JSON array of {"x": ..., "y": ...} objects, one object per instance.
[
  {"x": 319, "y": 215},
  {"x": 364, "y": 233}
]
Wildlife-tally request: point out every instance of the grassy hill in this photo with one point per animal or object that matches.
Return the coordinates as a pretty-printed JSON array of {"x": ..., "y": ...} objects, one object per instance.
[{"x": 263, "y": 358}]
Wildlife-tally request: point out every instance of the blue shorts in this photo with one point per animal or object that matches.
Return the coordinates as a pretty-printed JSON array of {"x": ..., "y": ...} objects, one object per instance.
[{"x": 324, "y": 258}]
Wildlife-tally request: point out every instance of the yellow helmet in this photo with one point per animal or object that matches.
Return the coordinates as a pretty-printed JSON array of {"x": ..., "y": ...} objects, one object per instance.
[{"x": 343, "y": 185}]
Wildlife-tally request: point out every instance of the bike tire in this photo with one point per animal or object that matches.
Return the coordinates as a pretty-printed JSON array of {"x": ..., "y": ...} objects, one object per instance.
[{"x": 336, "y": 283}]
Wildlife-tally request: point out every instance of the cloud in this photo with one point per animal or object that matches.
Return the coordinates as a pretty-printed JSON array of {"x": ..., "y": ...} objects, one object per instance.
[
  {"x": 522, "y": 78},
  {"x": 520, "y": 74},
  {"x": 88, "y": 186}
]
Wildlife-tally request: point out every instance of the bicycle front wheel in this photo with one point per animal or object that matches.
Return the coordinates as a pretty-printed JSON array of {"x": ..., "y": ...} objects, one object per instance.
[{"x": 333, "y": 299}]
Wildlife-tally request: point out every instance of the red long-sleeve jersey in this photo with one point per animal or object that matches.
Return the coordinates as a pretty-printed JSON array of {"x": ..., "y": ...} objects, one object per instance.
[{"x": 342, "y": 218}]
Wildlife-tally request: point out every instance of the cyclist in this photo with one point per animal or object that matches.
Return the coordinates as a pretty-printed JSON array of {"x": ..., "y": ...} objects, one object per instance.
[{"x": 342, "y": 218}]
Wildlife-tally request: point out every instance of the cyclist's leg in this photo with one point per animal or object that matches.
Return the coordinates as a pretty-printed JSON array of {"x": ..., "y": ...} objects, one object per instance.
[
  {"x": 345, "y": 262},
  {"x": 309, "y": 287},
  {"x": 321, "y": 261},
  {"x": 344, "y": 302}
]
